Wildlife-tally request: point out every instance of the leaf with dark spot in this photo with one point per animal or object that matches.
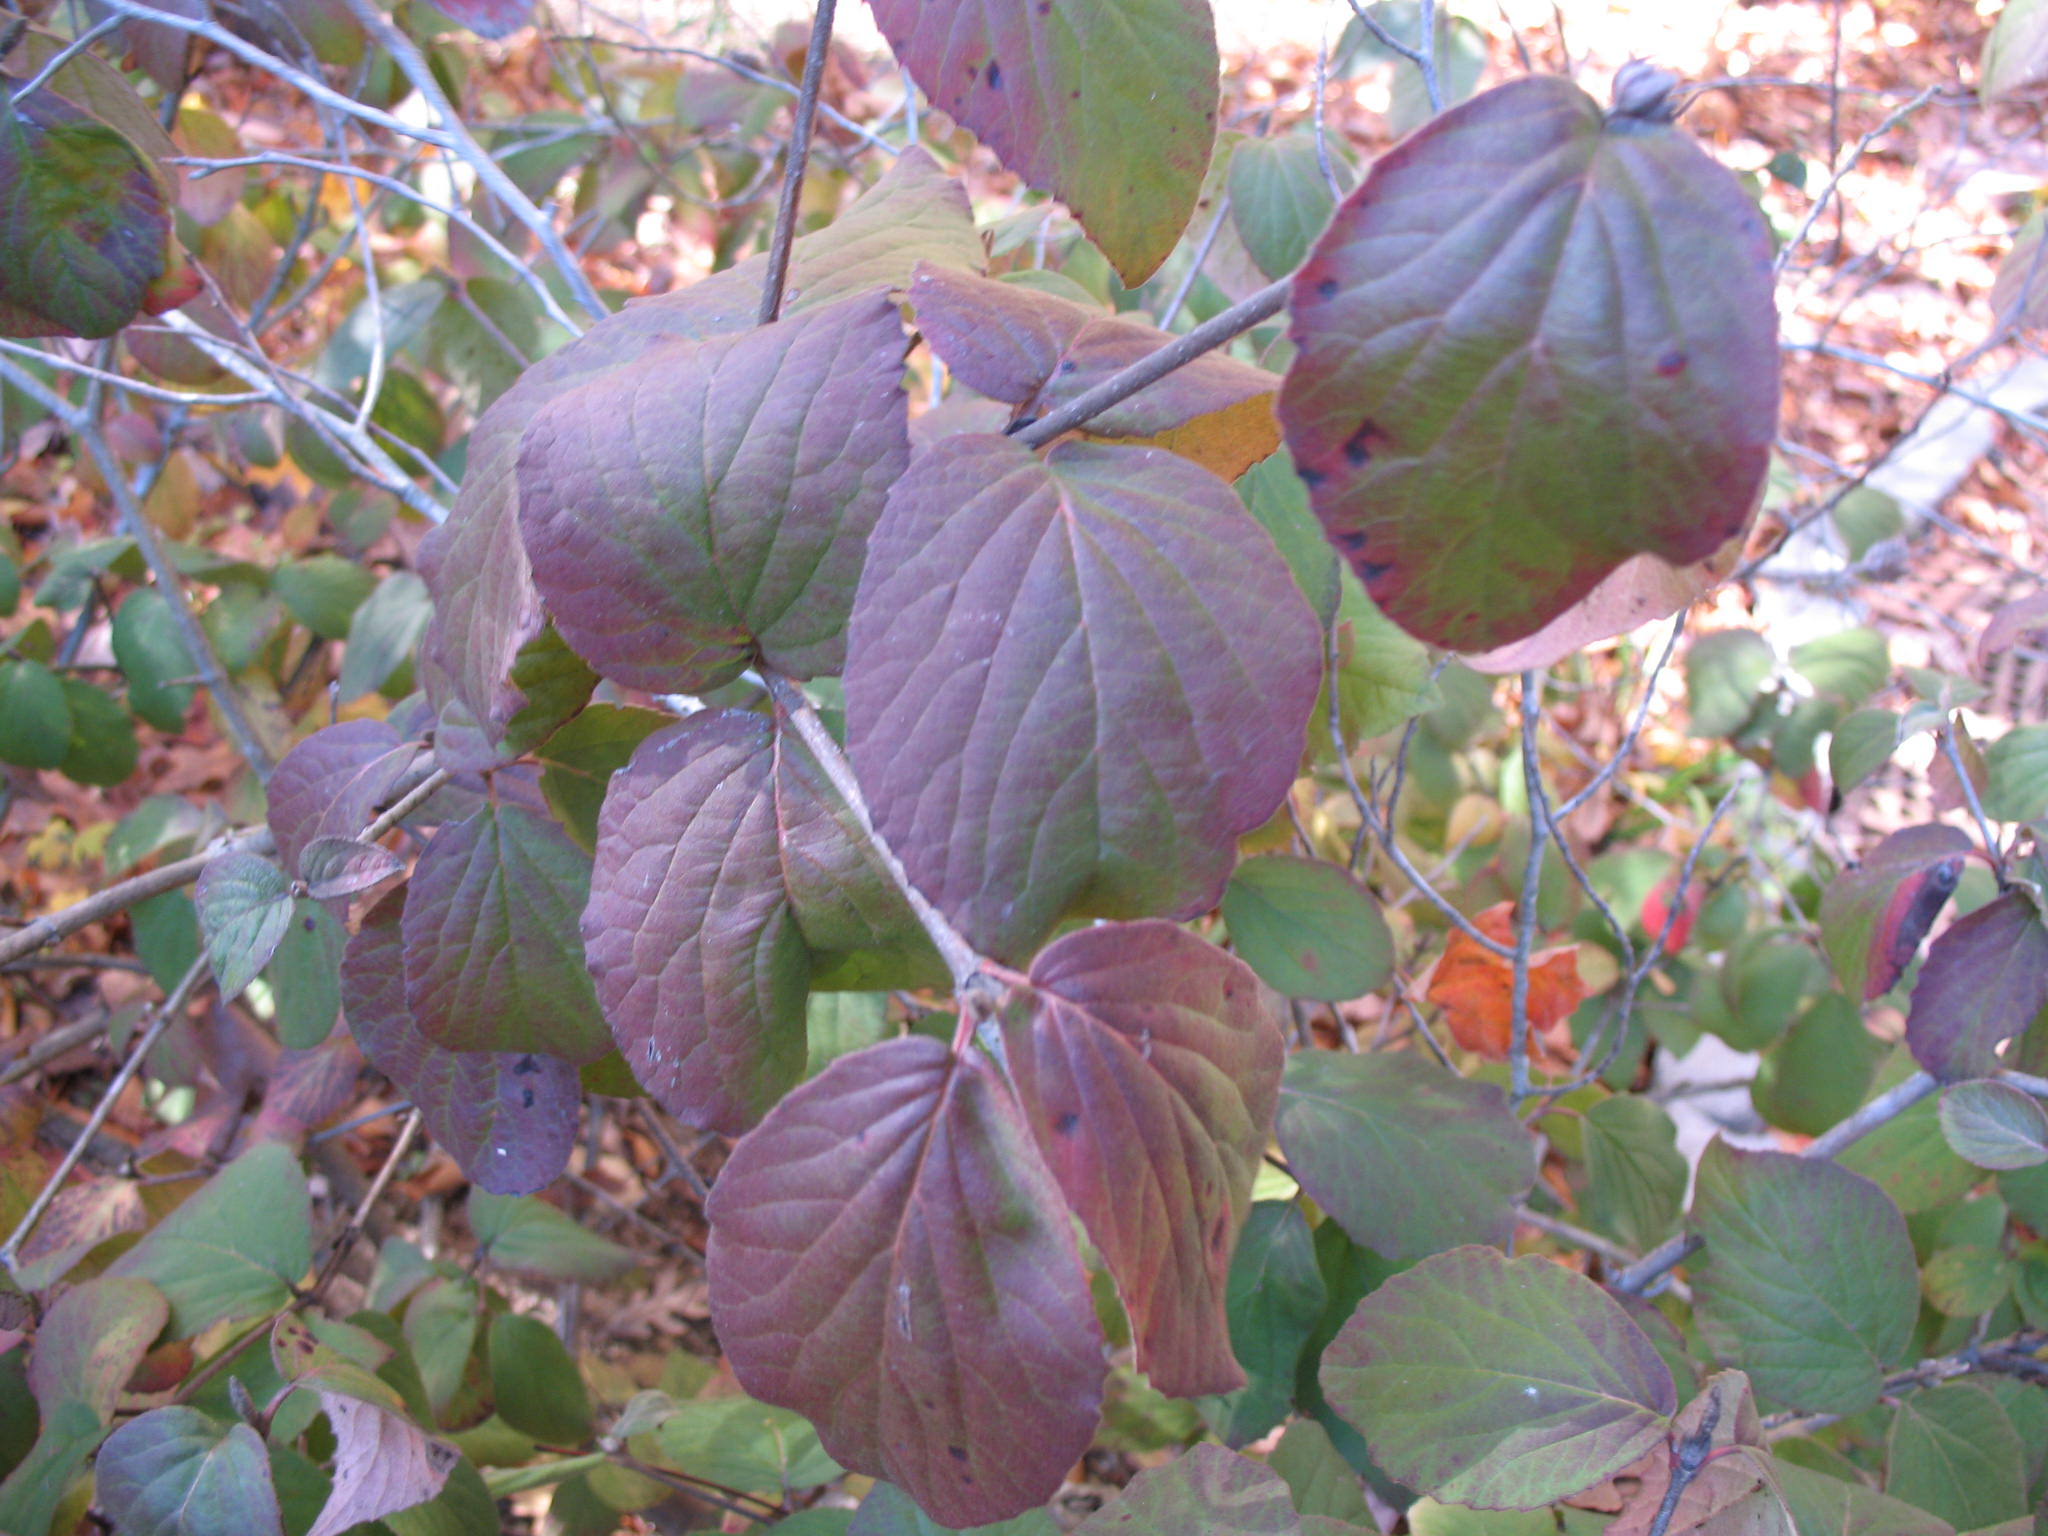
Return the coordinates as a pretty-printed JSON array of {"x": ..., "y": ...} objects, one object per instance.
[{"x": 1874, "y": 916}]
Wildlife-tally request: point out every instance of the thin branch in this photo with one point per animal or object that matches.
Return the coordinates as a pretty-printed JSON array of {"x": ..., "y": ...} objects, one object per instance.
[
  {"x": 118, "y": 897},
  {"x": 345, "y": 1239},
  {"x": 1154, "y": 366},
  {"x": 1422, "y": 57},
  {"x": 1862, "y": 146},
  {"x": 1968, "y": 786},
  {"x": 797, "y": 158},
  {"x": 1186, "y": 285},
  {"x": 167, "y": 1011},
  {"x": 1532, "y": 882},
  {"x": 1688, "y": 1458},
  {"x": 963, "y": 962}
]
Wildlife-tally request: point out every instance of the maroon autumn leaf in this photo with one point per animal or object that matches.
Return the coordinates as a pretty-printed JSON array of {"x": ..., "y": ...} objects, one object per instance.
[
  {"x": 1983, "y": 982},
  {"x": 1874, "y": 915},
  {"x": 332, "y": 784}
]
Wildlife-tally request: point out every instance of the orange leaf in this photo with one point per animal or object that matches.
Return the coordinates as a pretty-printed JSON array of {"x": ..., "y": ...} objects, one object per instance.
[{"x": 1475, "y": 989}]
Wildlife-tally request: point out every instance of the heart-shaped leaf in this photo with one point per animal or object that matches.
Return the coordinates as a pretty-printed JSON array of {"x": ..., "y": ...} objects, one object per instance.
[
  {"x": 85, "y": 222},
  {"x": 493, "y": 957},
  {"x": 1499, "y": 1383},
  {"x": 1983, "y": 982},
  {"x": 176, "y": 1472},
  {"x": 1537, "y": 340},
  {"x": 1107, "y": 669},
  {"x": 710, "y": 507},
  {"x": 509, "y": 1118},
  {"x": 1110, "y": 105},
  {"x": 1148, "y": 1063},
  {"x": 700, "y": 967},
  {"x": 891, "y": 1258},
  {"x": 1874, "y": 915},
  {"x": 1808, "y": 1281}
]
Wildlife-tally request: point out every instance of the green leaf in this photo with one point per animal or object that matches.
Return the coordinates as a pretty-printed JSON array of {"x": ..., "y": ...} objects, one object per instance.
[
  {"x": 1953, "y": 1452},
  {"x": 1309, "y": 928},
  {"x": 839, "y": 1023},
  {"x": 744, "y": 1444},
  {"x": 234, "y": 1249},
  {"x": 245, "y": 906},
  {"x": 1822, "y": 1505},
  {"x": 1636, "y": 1176},
  {"x": 153, "y": 658},
  {"x": 1817, "y": 1074},
  {"x": 2016, "y": 53},
  {"x": 323, "y": 593},
  {"x": 305, "y": 975},
  {"x": 161, "y": 824},
  {"x": 1849, "y": 666},
  {"x": 1866, "y": 517},
  {"x": 1409, "y": 1158},
  {"x": 441, "y": 1324},
  {"x": 1383, "y": 672},
  {"x": 1910, "y": 1160},
  {"x": 1319, "y": 1480},
  {"x": 1503, "y": 1384},
  {"x": 1279, "y": 199},
  {"x": 1273, "y": 1300},
  {"x": 529, "y": 1236},
  {"x": 889, "y": 1511},
  {"x": 1967, "y": 1280},
  {"x": 1994, "y": 1125},
  {"x": 535, "y": 1383},
  {"x": 577, "y": 762},
  {"x": 102, "y": 750},
  {"x": 35, "y": 716},
  {"x": 1274, "y": 494},
  {"x": 166, "y": 930},
  {"x": 1863, "y": 742},
  {"x": 382, "y": 633},
  {"x": 85, "y": 228},
  {"x": 2017, "y": 766},
  {"x": 1206, "y": 1489},
  {"x": 1536, "y": 342},
  {"x": 1725, "y": 672},
  {"x": 1807, "y": 1282},
  {"x": 240, "y": 621},
  {"x": 1427, "y": 1517},
  {"x": 1112, "y": 110},
  {"x": 176, "y": 1472}
]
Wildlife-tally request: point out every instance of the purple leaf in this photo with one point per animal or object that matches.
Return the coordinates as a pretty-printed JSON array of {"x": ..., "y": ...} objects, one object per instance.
[
  {"x": 1037, "y": 351},
  {"x": 493, "y": 959},
  {"x": 487, "y": 18},
  {"x": 509, "y": 1118},
  {"x": 710, "y": 507},
  {"x": 700, "y": 968},
  {"x": 891, "y": 1258},
  {"x": 1110, "y": 105},
  {"x": 485, "y": 604},
  {"x": 1499, "y": 1383},
  {"x": 1873, "y": 916},
  {"x": 332, "y": 784},
  {"x": 1982, "y": 983},
  {"x": 1408, "y": 1158},
  {"x": 1534, "y": 342},
  {"x": 336, "y": 867},
  {"x": 1072, "y": 683},
  {"x": 1148, "y": 1063},
  {"x": 85, "y": 221}
]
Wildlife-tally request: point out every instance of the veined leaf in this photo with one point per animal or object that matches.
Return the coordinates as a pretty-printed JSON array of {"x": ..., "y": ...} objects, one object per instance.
[
  {"x": 1995, "y": 1125},
  {"x": 891, "y": 1258},
  {"x": 1808, "y": 1281},
  {"x": 508, "y": 1117},
  {"x": 245, "y": 906},
  {"x": 176, "y": 1472},
  {"x": 1308, "y": 927},
  {"x": 710, "y": 507},
  {"x": 1538, "y": 339},
  {"x": 1205, "y": 1489},
  {"x": 1953, "y": 1452},
  {"x": 1148, "y": 1063},
  {"x": 1499, "y": 1383},
  {"x": 1983, "y": 982},
  {"x": 701, "y": 970},
  {"x": 493, "y": 958},
  {"x": 1110, "y": 105},
  {"x": 1107, "y": 668},
  {"x": 1274, "y": 1298},
  {"x": 1874, "y": 916},
  {"x": 333, "y": 783}
]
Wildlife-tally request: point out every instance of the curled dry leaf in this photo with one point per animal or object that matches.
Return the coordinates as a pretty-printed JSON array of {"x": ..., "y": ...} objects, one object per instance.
[{"x": 1475, "y": 988}]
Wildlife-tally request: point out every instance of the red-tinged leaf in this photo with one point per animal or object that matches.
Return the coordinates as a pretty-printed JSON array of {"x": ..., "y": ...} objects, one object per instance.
[
  {"x": 710, "y": 507},
  {"x": 1110, "y": 105},
  {"x": 337, "y": 867},
  {"x": 493, "y": 959},
  {"x": 891, "y": 1258},
  {"x": 487, "y": 18},
  {"x": 1734, "y": 1494},
  {"x": 1475, "y": 987},
  {"x": 1148, "y": 1064},
  {"x": 1639, "y": 591},
  {"x": 700, "y": 968},
  {"x": 1499, "y": 1383},
  {"x": 1038, "y": 351},
  {"x": 843, "y": 895},
  {"x": 90, "y": 1342},
  {"x": 1983, "y": 982},
  {"x": 509, "y": 1118},
  {"x": 485, "y": 605},
  {"x": 332, "y": 784},
  {"x": 1106, "y": 669},
  {"x": 1537, "y": 340},
  {"x": 382, "y": 1463},
  {"x": 1874, "y": 916},
  {"x": 307, "y": 1089},
  {"x": 85, "y": 220}
]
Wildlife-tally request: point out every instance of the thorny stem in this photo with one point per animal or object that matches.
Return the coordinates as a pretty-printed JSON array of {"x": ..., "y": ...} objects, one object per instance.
[
  {"x": 1886, "y": 1107},
  {"x": 798, "y": 158},
  {"x": 963, "y": 963},
  {"x": 1154, "y": 366},
  {"x": 171, "y": 1008}
]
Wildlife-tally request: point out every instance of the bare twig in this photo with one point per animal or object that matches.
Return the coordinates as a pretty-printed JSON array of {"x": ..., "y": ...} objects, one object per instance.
[
  {"x": 345, "y": 1239},
  {"x": 1688, "y": 1457},
  {"x": 1855, "y": 156},
  {"x": 1172, "y": 307},
  {"x": 1968, "y": 786},
  {"x": 1532, "y": 881},
  {"x": 795, "y": 160},
  {"x": 122, "y": 895},
  {"x": 1423, "y": 56}
]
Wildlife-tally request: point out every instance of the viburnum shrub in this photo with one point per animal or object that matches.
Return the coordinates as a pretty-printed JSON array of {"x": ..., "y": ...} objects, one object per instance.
[{"x": 746, "y": 685}]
